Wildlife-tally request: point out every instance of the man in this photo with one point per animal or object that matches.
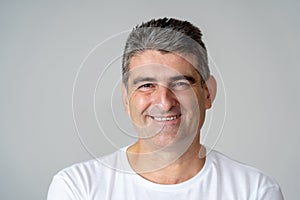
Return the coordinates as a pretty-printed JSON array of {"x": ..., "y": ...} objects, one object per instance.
[{"x": 167, "y": 88}]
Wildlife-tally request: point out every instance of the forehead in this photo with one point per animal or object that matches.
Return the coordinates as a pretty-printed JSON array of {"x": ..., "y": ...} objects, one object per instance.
[{"x": 161, "y": 64}]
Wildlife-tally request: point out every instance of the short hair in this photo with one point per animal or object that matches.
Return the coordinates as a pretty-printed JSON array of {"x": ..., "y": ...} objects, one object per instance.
[{"x": 167, "y": 35}]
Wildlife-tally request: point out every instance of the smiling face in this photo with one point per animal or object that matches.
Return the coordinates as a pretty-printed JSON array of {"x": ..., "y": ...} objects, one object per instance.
[{"x": 165, "y": 99}]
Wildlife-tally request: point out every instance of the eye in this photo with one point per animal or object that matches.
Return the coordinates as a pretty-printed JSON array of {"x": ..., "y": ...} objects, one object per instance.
[
  {"x": 146, "y": 87},
  {"x": 180, "y": 85}
]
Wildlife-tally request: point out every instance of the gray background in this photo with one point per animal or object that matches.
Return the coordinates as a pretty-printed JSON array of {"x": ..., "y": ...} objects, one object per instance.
[{"x": 255, "y": 45}]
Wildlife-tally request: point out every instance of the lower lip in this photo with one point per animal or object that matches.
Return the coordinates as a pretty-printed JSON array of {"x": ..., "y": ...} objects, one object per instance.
[{"x": 174, "y": 121}]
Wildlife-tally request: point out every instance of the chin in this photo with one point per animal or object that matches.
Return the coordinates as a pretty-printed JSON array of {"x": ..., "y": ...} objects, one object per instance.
[{"x": 170, "y": 141}]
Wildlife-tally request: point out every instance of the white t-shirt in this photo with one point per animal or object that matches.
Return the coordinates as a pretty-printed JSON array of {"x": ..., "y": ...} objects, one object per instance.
[{"x": 111, "y": 177}]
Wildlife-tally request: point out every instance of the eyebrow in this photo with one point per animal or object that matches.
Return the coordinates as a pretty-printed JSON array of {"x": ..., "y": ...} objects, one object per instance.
[
  {"x": 183, "y": 77},
  {"x": 174, "y": 78},
  {"x": 143, "y": 79}
]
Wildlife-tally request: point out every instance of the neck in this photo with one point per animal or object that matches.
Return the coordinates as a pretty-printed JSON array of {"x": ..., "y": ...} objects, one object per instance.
[{"x": 166, "y": 167}]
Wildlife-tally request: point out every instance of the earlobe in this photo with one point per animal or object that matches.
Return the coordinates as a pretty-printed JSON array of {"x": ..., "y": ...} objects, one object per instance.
[
  {"x": 211, "y": 85},
  {"x": 125, "y": 98}
]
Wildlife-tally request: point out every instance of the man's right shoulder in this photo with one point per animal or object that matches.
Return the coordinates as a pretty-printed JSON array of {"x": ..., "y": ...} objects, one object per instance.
[
  {"x": 80, "y": 180},
  {"x": 89, "y": 168}
]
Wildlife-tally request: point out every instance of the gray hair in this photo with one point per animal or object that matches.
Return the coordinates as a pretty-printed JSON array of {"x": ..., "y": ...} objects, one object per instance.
[{"x": 168, "y": 36}]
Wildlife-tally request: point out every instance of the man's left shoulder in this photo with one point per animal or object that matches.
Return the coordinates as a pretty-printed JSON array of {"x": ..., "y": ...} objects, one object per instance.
[
  {"x": 241, "y": 180},
  {"x": 241, "y": 171}
]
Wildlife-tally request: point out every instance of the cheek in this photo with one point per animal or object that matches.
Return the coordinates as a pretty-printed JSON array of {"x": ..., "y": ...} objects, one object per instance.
[
  {"x": 138, "y": 103},
  {"x": 190, "y": 100}
]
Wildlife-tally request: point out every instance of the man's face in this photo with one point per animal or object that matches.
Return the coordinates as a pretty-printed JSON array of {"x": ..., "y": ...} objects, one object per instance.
[{"x": 165, "y": 98}]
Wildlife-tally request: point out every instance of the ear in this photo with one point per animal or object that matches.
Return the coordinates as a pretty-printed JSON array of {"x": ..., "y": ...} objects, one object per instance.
[
  {"x": 125, "y": 98},
  {"x": 211, "y": 86}
]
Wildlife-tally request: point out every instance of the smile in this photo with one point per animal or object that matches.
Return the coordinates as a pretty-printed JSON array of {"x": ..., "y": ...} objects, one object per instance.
[{"x": 168, "y": 118}]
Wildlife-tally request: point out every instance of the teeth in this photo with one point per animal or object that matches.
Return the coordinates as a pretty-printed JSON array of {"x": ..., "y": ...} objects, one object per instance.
[{"x": 165, "y": 118}]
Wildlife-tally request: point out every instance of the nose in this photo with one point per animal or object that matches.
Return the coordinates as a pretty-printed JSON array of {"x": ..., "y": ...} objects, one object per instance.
[{"x": 164, "y": 98}]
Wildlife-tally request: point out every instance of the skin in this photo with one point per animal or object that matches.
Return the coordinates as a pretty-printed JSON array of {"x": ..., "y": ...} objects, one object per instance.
[{"x": 166, "y": 102}]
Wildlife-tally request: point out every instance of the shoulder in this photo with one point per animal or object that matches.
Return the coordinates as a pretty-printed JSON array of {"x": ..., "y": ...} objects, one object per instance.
[
  {"x": 236, "y": 168},
  {"x": 90, "y": 169},
  {"x": 71, "y": 182},
  {"x": 96, "y": 168},
  {"x": 241, "y": 175},
  {"x": 81, "y": 180},
  {"x": 81, "y": 170}
]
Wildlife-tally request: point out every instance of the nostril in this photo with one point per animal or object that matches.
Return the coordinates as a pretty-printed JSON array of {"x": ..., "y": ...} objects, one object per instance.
[{"x": 165, "y": 98}]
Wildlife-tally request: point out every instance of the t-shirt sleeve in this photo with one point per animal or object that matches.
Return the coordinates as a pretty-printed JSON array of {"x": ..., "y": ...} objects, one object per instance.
[
  {"x": 60, "y": 190},
  {"x": 272, "y": 192}
]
